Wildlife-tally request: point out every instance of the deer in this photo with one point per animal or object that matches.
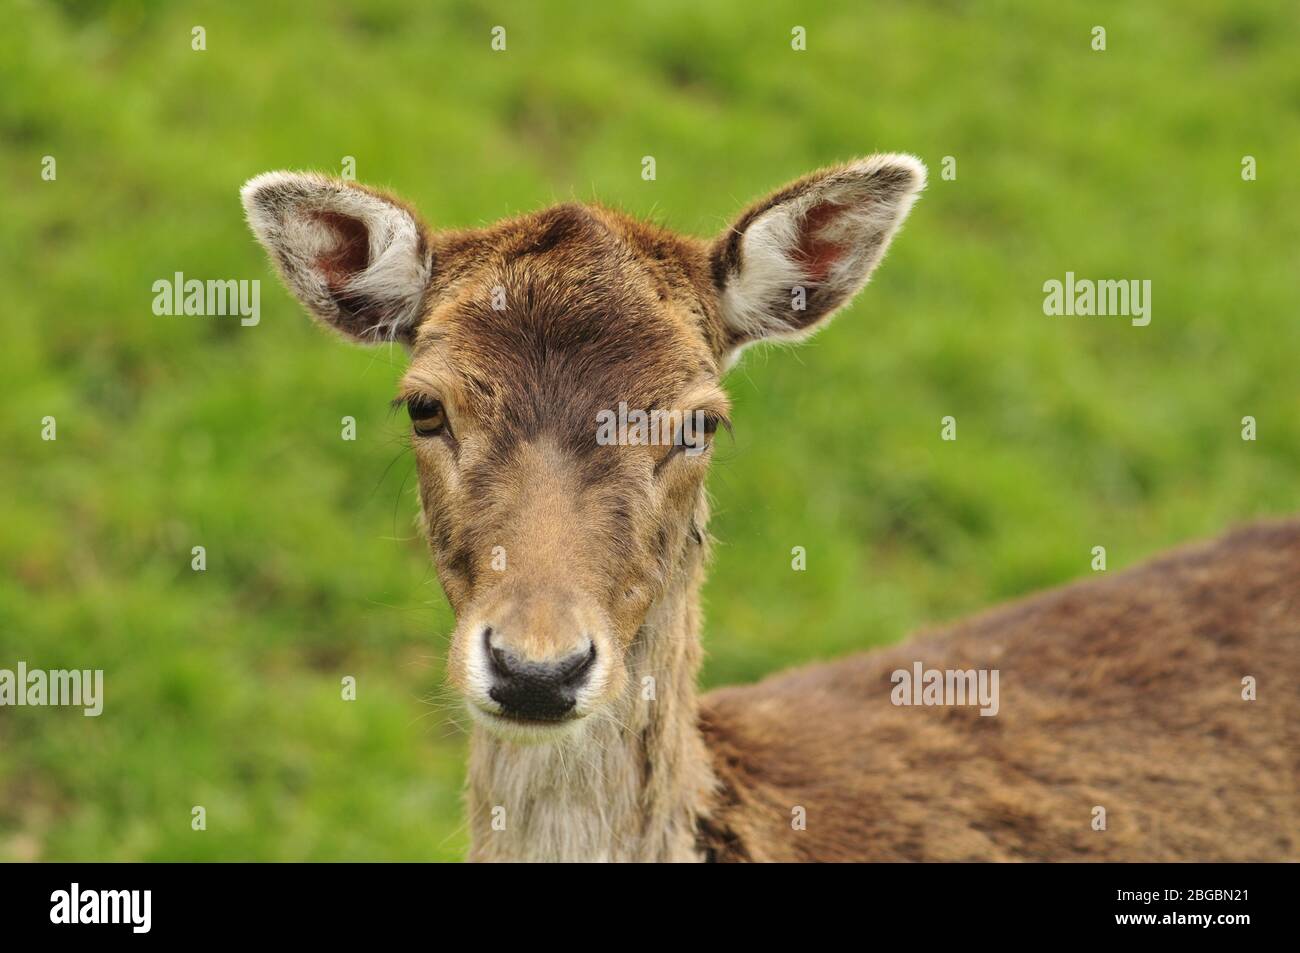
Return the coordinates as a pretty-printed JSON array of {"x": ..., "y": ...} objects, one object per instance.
[{"x": 1148, "y": 713}]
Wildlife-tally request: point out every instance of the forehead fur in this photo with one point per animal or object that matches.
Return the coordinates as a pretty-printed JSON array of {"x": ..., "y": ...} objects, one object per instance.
[{"x": 597, "y": 309}]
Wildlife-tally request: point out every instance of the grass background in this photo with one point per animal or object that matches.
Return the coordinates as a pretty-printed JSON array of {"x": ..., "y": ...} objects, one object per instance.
[{"x": 222, "y": 687}]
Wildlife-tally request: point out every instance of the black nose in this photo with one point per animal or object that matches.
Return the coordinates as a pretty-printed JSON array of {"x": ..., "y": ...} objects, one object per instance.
[{"x": 538, "y": 691}]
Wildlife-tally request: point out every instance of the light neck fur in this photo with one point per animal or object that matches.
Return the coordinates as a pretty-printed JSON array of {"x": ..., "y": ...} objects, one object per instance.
[{"x": 628, "y": 783}]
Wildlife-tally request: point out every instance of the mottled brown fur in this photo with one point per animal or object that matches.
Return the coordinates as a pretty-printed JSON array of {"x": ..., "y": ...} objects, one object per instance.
[{"x": 1123, "y": 692}]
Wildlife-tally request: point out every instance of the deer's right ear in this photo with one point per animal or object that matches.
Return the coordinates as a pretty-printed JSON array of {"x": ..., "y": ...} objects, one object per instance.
[{"x": 358, "y": 260}]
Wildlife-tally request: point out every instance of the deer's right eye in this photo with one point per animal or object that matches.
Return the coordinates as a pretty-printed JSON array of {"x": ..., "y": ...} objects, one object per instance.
[{"x": 428, "y": 418}]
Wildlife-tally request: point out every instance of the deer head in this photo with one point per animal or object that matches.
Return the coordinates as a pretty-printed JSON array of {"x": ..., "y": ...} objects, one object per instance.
[{"x": 551, "y": 540}]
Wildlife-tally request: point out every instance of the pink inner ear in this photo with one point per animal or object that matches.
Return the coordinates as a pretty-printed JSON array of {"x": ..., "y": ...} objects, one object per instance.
[
  {"x": 817, "y": 255},
  {"x": 350, "y": 255}
]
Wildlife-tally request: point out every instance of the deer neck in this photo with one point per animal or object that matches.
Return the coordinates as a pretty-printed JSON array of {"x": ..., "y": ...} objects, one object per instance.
[{"x": 626, "y": 784}]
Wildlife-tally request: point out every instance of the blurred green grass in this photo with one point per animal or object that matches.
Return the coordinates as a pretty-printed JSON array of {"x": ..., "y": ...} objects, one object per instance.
[{"x": 223, "y": 686}]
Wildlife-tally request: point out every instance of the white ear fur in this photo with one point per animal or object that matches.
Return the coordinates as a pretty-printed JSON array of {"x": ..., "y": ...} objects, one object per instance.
[
  {"x": 824, "y": 234},
  {"x": 358, "y": 261}
]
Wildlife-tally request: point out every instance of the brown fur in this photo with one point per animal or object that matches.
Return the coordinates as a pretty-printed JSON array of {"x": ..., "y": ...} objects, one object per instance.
[{"x": 1122, "y": 693}]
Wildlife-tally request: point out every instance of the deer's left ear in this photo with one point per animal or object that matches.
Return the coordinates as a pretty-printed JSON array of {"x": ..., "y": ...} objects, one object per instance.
[
  {"x": 359, "y": 260},
  {"x": 796, "y": 257}
]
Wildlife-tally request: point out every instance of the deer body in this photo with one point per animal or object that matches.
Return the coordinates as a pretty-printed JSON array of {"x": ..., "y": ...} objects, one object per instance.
[
  {"x": 574, "y": 568},
  {"x": 1123, "y": 692}
]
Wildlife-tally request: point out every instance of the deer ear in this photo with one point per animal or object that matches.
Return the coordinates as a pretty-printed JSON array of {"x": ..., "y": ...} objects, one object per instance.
[
  {"x": 358, "y": 260},
  {"x": 796, "y": 257}
]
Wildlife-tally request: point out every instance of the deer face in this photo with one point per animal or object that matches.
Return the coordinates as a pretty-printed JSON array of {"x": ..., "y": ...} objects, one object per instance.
[
  {"x": 550, "y": 541},
  {"x": 564, "y": 393}
]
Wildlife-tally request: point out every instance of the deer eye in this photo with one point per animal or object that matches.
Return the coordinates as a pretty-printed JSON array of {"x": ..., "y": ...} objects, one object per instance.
[
  {"x": 697, "y": 432},
  {"x": 428, "y": 418}
]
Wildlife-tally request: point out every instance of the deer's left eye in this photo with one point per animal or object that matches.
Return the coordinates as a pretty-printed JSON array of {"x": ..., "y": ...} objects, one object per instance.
[
  {"x": 428, "y": 417},
  {"x": 697, "y": 432}
]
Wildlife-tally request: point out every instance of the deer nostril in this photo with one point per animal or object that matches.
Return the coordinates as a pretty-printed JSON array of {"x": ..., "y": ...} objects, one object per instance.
[
  {"x": 579, "y": 665},
  {"x": 500, "y": 658},
  {"x": 507, "y": 665}
]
